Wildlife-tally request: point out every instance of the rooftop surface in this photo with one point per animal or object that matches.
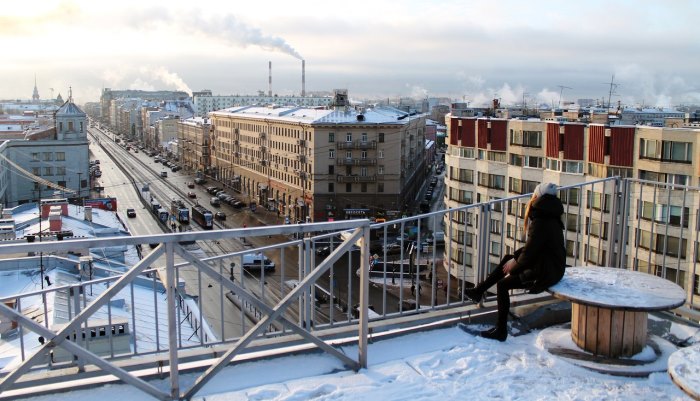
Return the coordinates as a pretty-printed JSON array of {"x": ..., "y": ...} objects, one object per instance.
[{"x": 441, "y": 364}]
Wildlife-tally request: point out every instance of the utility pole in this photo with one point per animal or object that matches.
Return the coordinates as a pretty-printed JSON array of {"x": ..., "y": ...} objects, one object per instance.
[{"x": 611, "y": 92}]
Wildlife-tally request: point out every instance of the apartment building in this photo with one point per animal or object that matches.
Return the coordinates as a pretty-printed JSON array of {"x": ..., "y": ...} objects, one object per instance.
[
  {"x": 205, "y": 102},
  {"x": 490, "y": 158},
  {"x": 321, "y": 165},
  {"x": 193, "y": 140}
]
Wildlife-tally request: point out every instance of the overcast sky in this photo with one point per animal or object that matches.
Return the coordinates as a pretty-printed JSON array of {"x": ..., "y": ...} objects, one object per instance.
[{"x": 471, "y": 50}]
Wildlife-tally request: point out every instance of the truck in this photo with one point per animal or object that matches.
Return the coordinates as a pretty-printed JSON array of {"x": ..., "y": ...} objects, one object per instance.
[
  {"x": 203, "y": 216},
  {"x": 180, "y": 211}
]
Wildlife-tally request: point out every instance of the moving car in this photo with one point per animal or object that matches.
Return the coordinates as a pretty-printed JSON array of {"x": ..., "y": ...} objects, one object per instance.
[
  {"x": 164, "y": 174},
  {"x": 190, "y": 184},
  {"x": 191, "y": 194},
  {"x": 220, "y": 216},
  {"x": 130, "y": 212}
]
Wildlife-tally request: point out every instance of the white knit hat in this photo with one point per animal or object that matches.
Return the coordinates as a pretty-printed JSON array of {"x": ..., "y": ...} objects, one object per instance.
[{"x": 545, "y": 188}]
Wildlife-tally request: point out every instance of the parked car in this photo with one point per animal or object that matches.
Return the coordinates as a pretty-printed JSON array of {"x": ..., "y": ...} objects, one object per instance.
[
  {"x": 238, "y": 204},
  {"x": 220, "y": 216},
  {"x": 130, "y": 212},
  {"x": 191, "y": 194},
  {"x": 222, "y": 195},
  {"x": 199, "y": 180},
  {"x": 214, "y": 201}
]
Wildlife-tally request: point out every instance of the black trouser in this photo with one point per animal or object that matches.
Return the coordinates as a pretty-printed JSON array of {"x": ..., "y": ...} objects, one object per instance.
[{"x": 503, "y": 285}]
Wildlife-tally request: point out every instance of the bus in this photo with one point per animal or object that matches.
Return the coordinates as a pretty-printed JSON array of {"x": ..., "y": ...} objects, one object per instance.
[{"x": 203, "y": 217}]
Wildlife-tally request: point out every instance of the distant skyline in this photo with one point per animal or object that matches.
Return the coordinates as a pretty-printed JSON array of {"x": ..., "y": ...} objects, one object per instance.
[{"x": 469, "y": 50}]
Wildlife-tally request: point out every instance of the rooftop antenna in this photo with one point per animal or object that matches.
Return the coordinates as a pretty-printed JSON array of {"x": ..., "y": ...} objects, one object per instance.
[
  {"x": 561, "y": 89},
  {"x": 613, "y": 86}
]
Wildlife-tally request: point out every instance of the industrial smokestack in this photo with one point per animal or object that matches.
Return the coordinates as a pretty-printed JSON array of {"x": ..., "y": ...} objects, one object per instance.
[
  {"x": 303, "y": 78},
  {"x": 269, "y": 81}
]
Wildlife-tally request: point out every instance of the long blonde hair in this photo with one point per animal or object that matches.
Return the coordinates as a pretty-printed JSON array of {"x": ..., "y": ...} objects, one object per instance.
[{"x": 527, "y": 212}]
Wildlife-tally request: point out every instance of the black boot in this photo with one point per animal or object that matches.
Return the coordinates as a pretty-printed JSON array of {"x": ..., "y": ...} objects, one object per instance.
[
  {"x": 474, "y": 294},
  {"x": 495, "y": 333}
]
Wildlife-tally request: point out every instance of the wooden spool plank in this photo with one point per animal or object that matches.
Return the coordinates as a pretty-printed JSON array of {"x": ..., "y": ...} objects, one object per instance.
[
  {"x": 575, "y": 310},
  {"x": 640, "y": 331},
  {"x": 616, "y": 332},
  {"x": 604, "y": 323},
  {"x": 628, "y": 334},
  {"x": 591, "y": 328}
]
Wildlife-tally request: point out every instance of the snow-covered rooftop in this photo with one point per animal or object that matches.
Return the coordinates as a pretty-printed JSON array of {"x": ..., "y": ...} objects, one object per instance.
[{"x": 379, "y": 115}]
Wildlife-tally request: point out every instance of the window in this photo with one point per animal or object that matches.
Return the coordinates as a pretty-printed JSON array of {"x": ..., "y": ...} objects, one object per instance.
[
  {"x": 516, "y": 160},
  {"x": 363, "y": 171},
  {"x": 363, "y": 155},
  {"x": 48, "y": 156},
  {"x": 380, "y": 187},
  {"x": 553, "y": 164},
  {"x": 35, "y": 157},
  {"x": 571, "y": 248},
  {"x": 670, "y": 151},
  {"x": 495, "y": 248},
  {"x": 380, "y": 138},
  {"x": 462, "y": 175},
  {"x": 594, "y": 201},
  {"x": 331, "y": 187},
  {"x": 573, "y": 167},
  {"x": 331, "y": 137},
  {"x": 331, "y": 153},
  {"x": 48, "y": 171},
  {"x": 36, "y": 170},
  {"x": 331, "y": 169},
  {"x": 491, "y": 180},
  {"x": 380, "y": 154},
  {"x": 348, "y": 155},
  {"x": 380, "y": 170},
  {"x": 61, "y": 171},
  {"x": 531, "y": 139},
  {"x": 348, "y": 187},
  {"x": 70, "y": 125},
  {"x": 570, "y": 196},
  {"x": 60, "y": 156},
  {"x": 348, "y": 137},
  {"x": 364, "y": 137},
  {"x": 664, "y": 214}
]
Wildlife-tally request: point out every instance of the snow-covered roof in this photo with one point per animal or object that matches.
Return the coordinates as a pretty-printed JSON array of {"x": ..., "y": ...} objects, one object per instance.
[{"x": 379, "y": 115}]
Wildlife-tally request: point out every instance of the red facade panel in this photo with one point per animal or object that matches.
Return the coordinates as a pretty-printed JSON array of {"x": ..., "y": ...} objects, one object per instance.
[
  {"x": 454, "y": 131},
  {"x": 573, "y": 141},
  {"x": 621, "y": 146},
  {"x": 469, "y": 132},
  {"x": 596, "y": 143},
  {"x": 482, "y": 134},
  {"x": 499, "y": 134},
  {"x": 552, "y": 140}
]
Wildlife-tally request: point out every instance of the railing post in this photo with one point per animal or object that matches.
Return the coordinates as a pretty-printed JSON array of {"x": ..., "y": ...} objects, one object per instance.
[
  {"x": 364, "y": 298},
  {"x": 172, "y": 321},
  {"x": 612, "y": 239},
  {"x": 482, "y": 260},
  {"x": 624, "y": 223}
]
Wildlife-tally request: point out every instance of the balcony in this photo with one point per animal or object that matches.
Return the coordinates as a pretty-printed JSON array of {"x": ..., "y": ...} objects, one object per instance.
[
  {"x": 355, "y": 162},
  {"x": 356, "y": 178},
  {"x": 356, "y": 145},
  {"x": 301, "y": 158}
]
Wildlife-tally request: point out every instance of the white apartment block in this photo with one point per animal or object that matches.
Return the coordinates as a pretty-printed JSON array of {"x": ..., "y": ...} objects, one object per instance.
[{"x": 490, "y": 158}]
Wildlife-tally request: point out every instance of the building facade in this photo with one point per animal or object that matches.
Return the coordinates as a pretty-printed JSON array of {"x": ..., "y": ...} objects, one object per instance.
[
  {"x": 205, "y": 102},
  {"x": 194, "y": 142},
  {"x": 496, "y": 158},
  {"x": 54, "y": 160},
  {"x": 311, "y": 164}
]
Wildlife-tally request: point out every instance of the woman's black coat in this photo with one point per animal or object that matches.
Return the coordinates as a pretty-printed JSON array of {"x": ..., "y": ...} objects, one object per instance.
[{"x": 541, "y": 262}]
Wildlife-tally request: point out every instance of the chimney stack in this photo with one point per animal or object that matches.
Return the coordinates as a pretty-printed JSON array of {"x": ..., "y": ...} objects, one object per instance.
[
  {"x": 269, "y": 81},
  {"x": 303, "y": 78}
]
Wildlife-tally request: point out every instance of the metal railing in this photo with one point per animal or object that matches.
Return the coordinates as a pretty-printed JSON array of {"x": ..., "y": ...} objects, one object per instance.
[{"x": 417, "y": 266}]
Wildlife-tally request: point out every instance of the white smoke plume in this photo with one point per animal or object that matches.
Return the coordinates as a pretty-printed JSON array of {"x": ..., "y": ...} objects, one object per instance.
[
  {"x": 226, "y": 28},
  {"x": 168, "y": 78}
]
